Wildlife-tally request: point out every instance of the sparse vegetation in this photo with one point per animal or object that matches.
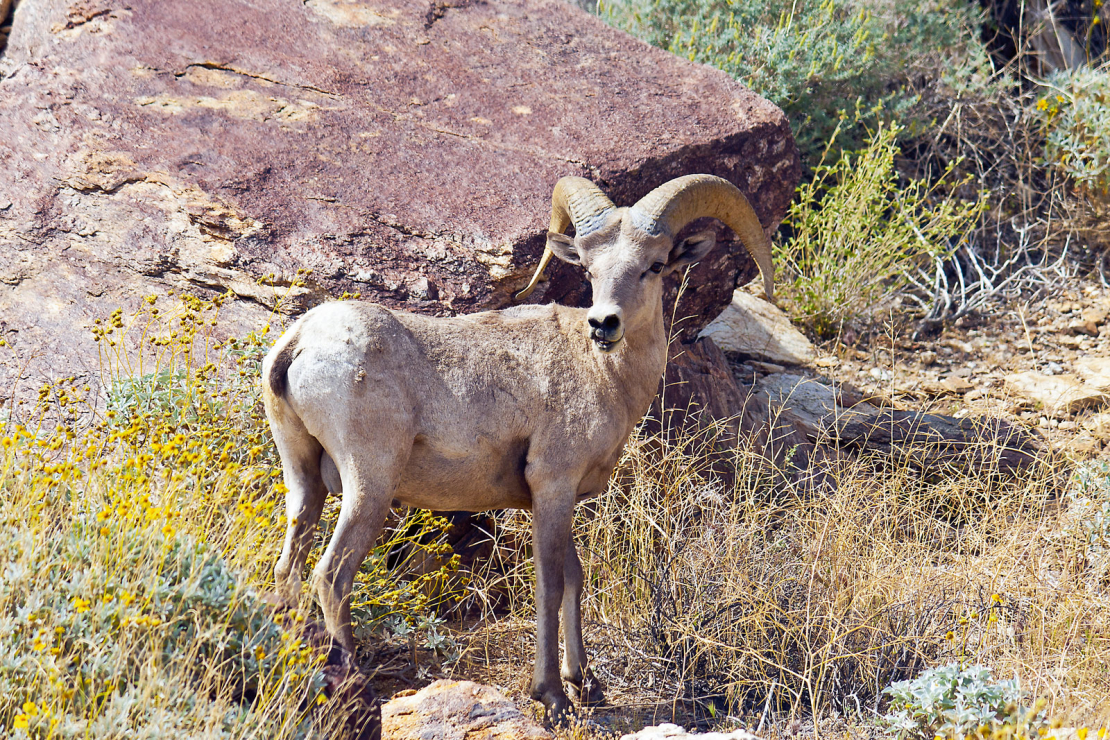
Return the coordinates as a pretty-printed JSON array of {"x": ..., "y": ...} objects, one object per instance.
[
  {"x": 856, "y": 234},
  {"x": 140, "y": 520},
  {"x": 958, "y": 701},
  {"x": 137, "y": 534},
  {"x": 823, "y": 63}
]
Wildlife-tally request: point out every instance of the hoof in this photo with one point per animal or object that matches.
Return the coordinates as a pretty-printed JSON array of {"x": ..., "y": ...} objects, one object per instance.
[
  {"x": 557, "y": 707},
  {"x": 591, "y": 691}
]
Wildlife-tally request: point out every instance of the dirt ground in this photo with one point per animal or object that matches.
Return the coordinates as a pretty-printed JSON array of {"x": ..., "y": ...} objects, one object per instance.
[{"x": 961, "y": 370}]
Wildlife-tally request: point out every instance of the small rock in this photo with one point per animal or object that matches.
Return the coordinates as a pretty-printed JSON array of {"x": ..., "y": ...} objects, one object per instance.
[
  {"x": 829, "y": 361},
  {"x": 1058, "y": 395},
  {"x": 956, "y": 385},
  {"x": 962, "y": 372},
  {"x": 1081, "y": 445},
  {"x": 759, "y": 328},
  {"x": 675, "y": 732},
  {"x": 1069, "y": 341},
  {"x": 927, "y": 357},
  {"x": 1098, "y": 425},
  {"x": 975, "y": 395},
  {"x": 880, "y": 374},
  {"x": 966, "y": 347},
  {"x": 1052, "y": 368},
  {"x": 767, "y": 367},
  {"x": 455, "y": 710},
  {"x": 1094, "y": 371},
  {"x": 1079, "y": 326},
  {"x": 1068, "y": 425},
  {"x": 1096, "y": 315}
]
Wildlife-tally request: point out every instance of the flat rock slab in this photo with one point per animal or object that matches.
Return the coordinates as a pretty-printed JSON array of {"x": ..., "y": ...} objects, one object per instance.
[
  {"x": 755, "y": 327},
  {"x": 457, "y": 710},
  {"x": 1057, "y": 395},
  {"x": 1095, "y": 371},
  {"x": 675, "y": 732},
  {"x": 404, "y": 151}
]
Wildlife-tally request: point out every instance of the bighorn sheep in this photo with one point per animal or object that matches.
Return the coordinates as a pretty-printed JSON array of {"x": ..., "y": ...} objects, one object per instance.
[{"x": 526, "y": 407}]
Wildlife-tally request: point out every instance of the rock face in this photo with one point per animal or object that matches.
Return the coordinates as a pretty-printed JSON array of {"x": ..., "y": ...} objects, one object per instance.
[
  {"x": 755, "y": 327},
  {"x": 457, "y": 710},
  {"x": 404, "y": 151}
]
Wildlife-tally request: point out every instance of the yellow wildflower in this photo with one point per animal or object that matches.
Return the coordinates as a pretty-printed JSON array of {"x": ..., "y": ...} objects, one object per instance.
[
  {"x": 1081, "y": 733},
  {"x": 30, "y": 709},
  {"x": 80, "y": 605},
  {"x": 21, "y": 722},
  {"x": 321, "y": 699}
]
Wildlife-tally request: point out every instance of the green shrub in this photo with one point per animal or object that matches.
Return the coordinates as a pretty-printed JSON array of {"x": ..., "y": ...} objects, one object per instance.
[
  {"x": 956, "y": 702},
  {"x": 821, "y": 62},
  {"x": 856, "y": 231},
  {"x": 1075, "y": 113}
]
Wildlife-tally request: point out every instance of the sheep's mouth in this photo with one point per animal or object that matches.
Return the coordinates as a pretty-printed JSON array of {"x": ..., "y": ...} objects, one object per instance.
[{"x": 605, "y": 345}]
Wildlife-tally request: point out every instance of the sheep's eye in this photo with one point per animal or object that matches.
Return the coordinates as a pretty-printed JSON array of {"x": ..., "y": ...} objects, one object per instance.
[{"x": 657, "y": 267}]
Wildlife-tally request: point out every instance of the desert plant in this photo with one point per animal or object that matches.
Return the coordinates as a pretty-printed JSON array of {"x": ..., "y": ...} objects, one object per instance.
[
  {"x": 856, "y": 232},
  {"x": 1075, "y": 113},
  {"x": 138, "y": 531},
  {"x": 821, "y": 62},
  {"x": 956, "y": 701}
]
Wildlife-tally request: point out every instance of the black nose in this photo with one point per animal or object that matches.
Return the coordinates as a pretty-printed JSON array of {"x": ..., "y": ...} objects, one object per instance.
[{"x": 610, "y": 323}]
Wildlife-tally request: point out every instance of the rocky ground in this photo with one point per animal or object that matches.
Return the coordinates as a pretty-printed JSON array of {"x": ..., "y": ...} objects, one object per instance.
[{"x": 1041, "y": 364}]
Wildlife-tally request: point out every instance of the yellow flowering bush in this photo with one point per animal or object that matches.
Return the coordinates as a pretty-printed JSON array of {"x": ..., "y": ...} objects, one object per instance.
[{"x": 138, "y": 529}]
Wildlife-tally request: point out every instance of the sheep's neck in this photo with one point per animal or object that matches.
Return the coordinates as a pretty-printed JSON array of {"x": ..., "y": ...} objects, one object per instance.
[{"x": 638, "y": 366}]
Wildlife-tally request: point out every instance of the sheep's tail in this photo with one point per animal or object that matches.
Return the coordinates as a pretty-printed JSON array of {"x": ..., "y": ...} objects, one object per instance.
[{"x": 276, "y": 369}]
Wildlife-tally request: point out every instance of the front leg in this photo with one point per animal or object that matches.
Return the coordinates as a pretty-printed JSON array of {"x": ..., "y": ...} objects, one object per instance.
[
  {"x": 576, "y": 670},
  {"x": 552, "y": 511}
]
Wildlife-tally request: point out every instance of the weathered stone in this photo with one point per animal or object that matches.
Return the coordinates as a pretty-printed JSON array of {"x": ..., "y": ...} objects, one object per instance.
[
  {"x": 755, "y": 327},
  {"x": 1096, "y": 314},
  {"x": 1082, "y": 326},
  {"x": 956, "y": 384},
  {"x": 1098, "y": 425},
  {"x": 1058, "y": 395},
  {"x": 675, "y": 732},
  {"x": 403, "y": 151},
  {"x": 1081, "y": 445},
  {"x": 457, "y": 710},
  {"x": 1095, "y": 371}
]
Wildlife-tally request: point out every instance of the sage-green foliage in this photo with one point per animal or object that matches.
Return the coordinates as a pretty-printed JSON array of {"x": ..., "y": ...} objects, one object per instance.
[
  {"x": 1075, "y": 113},
  {"x": 821, "y": 62},
  {"x": 955, "y": 701},
  {"x": 133, "y": 628},
  {"x": 855, "y": 230}
]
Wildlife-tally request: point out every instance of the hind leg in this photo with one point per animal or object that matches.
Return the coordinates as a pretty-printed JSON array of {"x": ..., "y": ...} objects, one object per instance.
[
  {"x": 369, "y": 481},
  {"x": 304, "y": 502}
]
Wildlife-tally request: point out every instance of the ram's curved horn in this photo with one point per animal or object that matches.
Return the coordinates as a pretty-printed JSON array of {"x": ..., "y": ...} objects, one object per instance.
[
  {"x": 576, "y": 201},
  {"x": 674, "y": 204}
]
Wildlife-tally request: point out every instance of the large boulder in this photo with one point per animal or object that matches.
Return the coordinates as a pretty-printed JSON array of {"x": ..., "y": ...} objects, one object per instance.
[{"x": 405, "y": 151}]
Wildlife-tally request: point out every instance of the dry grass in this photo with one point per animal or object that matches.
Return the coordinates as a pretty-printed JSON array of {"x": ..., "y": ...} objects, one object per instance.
[
  {"x": 137, "y": 539},
  {"x": 761, "y": 605}
]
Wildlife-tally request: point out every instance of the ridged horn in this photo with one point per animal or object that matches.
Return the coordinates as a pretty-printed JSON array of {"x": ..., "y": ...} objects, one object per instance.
[
  {"x": 674, "y": 204},
  {"x": 576, "y": 201}
]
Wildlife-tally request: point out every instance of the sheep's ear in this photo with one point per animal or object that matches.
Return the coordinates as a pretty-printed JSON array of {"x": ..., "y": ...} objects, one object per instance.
[
  {"x": 562, "y": 246},
  {"x": 691, "y": 249}
]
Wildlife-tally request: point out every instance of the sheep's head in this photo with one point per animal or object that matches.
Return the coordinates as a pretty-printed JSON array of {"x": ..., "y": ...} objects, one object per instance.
[{"x": 626, "y": 252}]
